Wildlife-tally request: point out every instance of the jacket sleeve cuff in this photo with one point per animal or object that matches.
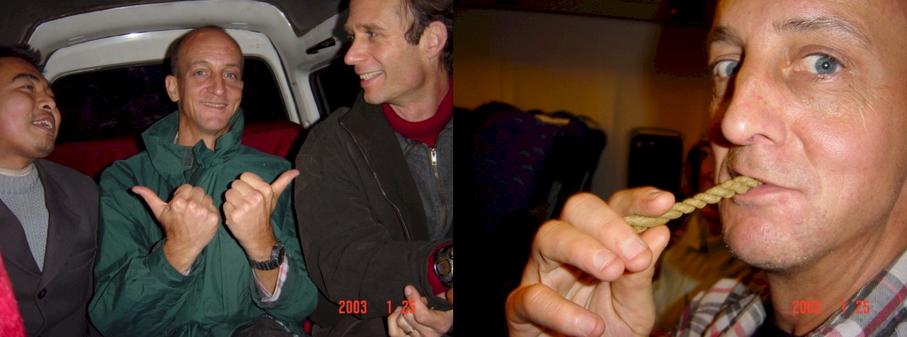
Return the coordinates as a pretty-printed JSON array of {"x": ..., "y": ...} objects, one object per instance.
[
  {"x": 159, "y": 267},
  {"x": 437, "y": 287},
  {"x": 267, "y": 297}
]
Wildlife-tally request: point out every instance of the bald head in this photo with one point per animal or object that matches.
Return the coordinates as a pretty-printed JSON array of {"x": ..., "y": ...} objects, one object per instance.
[{"x": 178, "y": 47}]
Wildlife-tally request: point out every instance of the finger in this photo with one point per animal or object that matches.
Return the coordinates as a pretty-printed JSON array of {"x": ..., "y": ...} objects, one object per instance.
[
  {"x": 392, "y": 328},
  {"x": 534, "y": 306},
  {"x": 283, "y": 181},
  {"x": 229, "y": 208},
  {"x": 648, "y": 201},
  {"x": 197, "y": 195},
  {"x": 422, "y": 315},
  {"x": 182, "y": 191},
  {"x": 558, "y": 243},
  {"x": 151, "y": 199},
  {"x": 209, "y": 203},
  {"x": 243, "y": 188},
  {"x": 255, "y": 182},
  {"x": 634, "y": 290},
  {"x": 606, "y": 224},
  {"x": 403, "y": 324}
]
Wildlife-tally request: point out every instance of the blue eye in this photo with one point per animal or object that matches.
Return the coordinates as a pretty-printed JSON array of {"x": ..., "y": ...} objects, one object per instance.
[
  {"x": 725, "y": 68},
  {"x": 821, "y": 64}
]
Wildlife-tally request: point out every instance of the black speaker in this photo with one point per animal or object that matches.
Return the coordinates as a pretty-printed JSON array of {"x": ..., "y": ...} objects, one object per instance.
[{"x": 656, "y": 159}]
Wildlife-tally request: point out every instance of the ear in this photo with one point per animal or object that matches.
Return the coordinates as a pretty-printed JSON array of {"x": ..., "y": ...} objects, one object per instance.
[
  {"x": 433, "y": 39},
  {"x": 173, "y": 88}
]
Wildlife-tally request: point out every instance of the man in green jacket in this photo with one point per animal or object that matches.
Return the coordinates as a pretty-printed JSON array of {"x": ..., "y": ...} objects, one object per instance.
[{"x": 169, "y": 268}]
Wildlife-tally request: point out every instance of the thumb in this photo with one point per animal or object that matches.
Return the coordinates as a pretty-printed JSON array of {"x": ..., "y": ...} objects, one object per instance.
[
  {"x": 156, "y": 204},
  {"x": 283, "y": 181}
]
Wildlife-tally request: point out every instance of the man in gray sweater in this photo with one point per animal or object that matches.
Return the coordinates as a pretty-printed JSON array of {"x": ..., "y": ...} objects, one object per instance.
[{"x": 48, "y": 212}]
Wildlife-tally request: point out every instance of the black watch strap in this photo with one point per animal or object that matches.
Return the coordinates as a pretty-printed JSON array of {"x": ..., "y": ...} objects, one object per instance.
[{"x": 277, "y": 254}]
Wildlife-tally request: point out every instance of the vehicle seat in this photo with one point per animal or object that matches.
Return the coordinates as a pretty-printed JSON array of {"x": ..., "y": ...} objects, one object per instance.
[{"x": 279, "y": 138}]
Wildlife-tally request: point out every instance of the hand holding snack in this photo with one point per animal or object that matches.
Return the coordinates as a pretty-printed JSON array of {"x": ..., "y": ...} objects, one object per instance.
[{"x": 589, "y": 273}]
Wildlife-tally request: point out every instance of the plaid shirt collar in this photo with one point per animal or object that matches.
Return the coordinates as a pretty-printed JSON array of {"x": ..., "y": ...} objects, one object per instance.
[{"x": 736, "y": 308}]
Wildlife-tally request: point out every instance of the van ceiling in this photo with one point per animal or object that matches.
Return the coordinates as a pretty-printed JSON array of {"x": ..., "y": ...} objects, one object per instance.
[{"x": 22, "y": 17}]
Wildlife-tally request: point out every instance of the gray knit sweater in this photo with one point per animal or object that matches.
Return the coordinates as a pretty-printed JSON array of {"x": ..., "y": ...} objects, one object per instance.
[{"x": 23, "y": 193}]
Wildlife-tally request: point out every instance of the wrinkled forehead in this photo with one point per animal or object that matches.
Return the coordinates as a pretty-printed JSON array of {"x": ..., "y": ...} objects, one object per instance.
[{"x": 868, "y": 16}]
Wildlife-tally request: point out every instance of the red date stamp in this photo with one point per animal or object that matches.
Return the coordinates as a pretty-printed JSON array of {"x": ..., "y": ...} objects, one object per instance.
[
  {"x": 353, "y": 307},
  {"x": 806, "y": 307},
  {"x": 814, "y": 307},
  {"x": 408, "y": 307},
  {"x": 861, "y": 307}
]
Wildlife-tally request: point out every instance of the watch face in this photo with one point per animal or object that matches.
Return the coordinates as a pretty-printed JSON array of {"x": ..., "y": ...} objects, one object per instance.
[{"x": 444, "y": 267}]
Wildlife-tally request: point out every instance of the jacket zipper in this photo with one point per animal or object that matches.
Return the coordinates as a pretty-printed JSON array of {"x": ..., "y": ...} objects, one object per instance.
[
  {"x": 406, "y": 232},
  {"x": 439, "y": 183},
  {"x": 434, "y": 163}
]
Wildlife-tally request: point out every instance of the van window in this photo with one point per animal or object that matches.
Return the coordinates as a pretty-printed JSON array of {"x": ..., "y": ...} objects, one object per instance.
[
  {"x": 121, "y": 101},
  {"x": 335, "y": 86}
]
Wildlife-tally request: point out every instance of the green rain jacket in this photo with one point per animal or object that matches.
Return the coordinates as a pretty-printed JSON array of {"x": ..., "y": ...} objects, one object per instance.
[{"x": 138, "y": 293}]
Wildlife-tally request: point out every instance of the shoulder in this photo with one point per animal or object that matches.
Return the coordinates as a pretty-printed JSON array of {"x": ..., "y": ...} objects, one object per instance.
[
  {"x": 127, "y": 172},
  {"x": 67, "y": 177},
  {"x": 266, "y": 165}
]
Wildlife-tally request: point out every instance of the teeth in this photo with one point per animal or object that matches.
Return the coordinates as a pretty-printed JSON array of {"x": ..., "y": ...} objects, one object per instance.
[
  {"x": 368, "y": 76},
  {"x": 44, "y": 124}
]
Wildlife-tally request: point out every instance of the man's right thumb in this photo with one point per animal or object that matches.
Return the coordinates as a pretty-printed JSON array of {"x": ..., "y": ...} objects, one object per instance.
[{"x": 156, "y": 204}]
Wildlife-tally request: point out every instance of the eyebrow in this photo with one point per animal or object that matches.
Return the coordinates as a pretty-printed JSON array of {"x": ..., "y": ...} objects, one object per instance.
[
  {"x": 366, "y": 26},
  {"x": 206, "y": 63},
  {"x": 26, "y": 76},
  {"x": 723, "y": 34},
  {"x": 823, "y": 23}
]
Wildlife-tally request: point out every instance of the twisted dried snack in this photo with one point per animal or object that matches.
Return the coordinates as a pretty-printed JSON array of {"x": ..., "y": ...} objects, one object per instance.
[{"x": 727, "y": 189}]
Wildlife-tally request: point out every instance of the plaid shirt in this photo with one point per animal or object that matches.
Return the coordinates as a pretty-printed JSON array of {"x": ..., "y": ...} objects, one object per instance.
[{"x": 735, "y": 308}]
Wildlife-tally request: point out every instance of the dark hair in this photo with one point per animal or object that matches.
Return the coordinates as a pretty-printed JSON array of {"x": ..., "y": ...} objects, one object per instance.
[
  {"x": 173, "y": 50},
  {"x": 424, "y": 12},
  {"x": 23, "y": 52}
]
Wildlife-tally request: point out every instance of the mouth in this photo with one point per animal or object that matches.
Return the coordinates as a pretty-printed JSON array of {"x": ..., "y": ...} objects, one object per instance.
[
  {"x": 215, "y": 105},
  {"x": 768, "y": 190},
  {"x": 45, "y": 123},
  {"x": 370, "y": 75}
]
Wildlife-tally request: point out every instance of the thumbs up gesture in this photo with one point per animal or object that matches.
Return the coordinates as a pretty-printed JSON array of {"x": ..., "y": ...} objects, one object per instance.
[
  {"x": 248, "y": 205},
  {"x": 189, "y": 221}
]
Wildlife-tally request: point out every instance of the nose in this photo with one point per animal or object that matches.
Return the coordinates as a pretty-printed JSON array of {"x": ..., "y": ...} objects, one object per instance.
[
  {"x": 47, "y": 103},
  {"x": 752, "y": 109},
  {"x": 218, "y": 85},
  {"x": 355, "y": 54}
]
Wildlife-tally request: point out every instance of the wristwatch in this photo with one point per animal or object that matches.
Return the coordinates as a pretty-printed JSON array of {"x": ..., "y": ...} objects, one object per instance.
[
  {"x": 277, "y": 254},
  {"x": 444, "y": 265}
]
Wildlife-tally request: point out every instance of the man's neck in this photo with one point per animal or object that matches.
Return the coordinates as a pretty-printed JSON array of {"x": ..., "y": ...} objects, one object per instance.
[
  {"x": 424, "y": 103},
  {"x": 189, "y": 137},
  {"x": 805, "y": 298},
  {"x": 15, "y": 163},
  {"x": 17, "y": 172}
]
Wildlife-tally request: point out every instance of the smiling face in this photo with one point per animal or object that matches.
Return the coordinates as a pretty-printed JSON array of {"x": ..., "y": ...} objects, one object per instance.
[
  {"x": 208, "y": 85},
  {"x": 391, "y": 70},
  {"x": 810, "y": 98},
  {"x": 29, "y": 118}
]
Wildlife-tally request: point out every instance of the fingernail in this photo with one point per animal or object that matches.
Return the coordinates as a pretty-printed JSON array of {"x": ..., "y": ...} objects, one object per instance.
[
  {"x": 632, "y": 248},
  {"x": 602, "y": 259},
  {"x": 654, "y": 194},
  {"x": 586, "y": 324}
]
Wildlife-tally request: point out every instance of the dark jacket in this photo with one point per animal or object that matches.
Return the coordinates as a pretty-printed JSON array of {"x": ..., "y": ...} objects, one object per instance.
[
  {"x": 53, "y": 302},
  {"x": 361, "y": 221},
  {"x": 139, "y": 293}
]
